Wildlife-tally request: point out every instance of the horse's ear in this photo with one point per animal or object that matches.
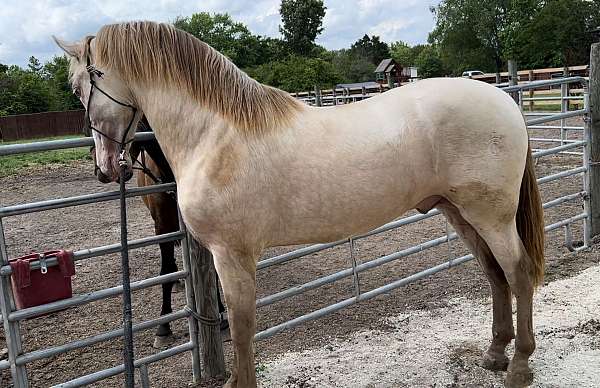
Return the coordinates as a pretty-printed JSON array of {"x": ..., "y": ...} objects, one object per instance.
[{"x": 75, "y": 49}]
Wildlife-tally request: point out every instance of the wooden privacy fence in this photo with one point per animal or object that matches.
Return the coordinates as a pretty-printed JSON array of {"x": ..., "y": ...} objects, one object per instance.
[{"x": 37, "y": 125}]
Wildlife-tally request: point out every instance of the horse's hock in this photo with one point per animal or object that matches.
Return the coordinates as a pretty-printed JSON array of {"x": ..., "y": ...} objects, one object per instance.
[{"x": 573, "y": 143}]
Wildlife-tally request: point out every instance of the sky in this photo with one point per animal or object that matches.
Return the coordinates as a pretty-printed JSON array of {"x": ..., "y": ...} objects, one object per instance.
[{"x": 26, "y": 26}]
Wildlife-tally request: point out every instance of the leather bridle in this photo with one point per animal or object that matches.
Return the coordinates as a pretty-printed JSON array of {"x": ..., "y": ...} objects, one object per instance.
[{"x": 93, "y": 72}]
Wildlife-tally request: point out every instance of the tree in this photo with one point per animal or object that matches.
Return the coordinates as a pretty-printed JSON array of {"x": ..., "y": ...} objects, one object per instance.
[
  {"x": 467, "y": 33},
  {"x": 295, "y": 74},
  {"x": 371, "y": 48},
  {"x": 558, "y": 34},
  {"x": 351, "y": 66},
  {"x": 232, "y": 39},
  {"x": 302, "y": 23},
  {"x": 56, "y": 74},
  {"x": 34, "y": 65},
  {"x": 402, "y": 53},
  {"x": 429, "y": 62},
  {"x": 23, "y": 91}
]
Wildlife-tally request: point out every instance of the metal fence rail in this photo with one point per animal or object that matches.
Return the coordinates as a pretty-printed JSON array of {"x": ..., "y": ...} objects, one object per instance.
[{"x": 11, "y": 317}]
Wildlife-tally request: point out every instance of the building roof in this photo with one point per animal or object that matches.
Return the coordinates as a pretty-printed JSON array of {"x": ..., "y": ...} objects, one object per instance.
[{"x": 385, "y": 66}]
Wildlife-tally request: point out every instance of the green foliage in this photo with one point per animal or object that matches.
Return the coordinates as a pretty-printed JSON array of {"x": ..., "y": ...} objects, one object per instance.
[
  {"x": 371, "y": 48},
  {"x": 23, "y": 91},
  {"x": 430, "y": 62},
  {"x": 232, "y": 39},
  {"x": 352, "y": 67},
  {"x": 557, "y": 34},
  {"x": 37, "y": 89},
  {"x": 302, "y": 23},
  {"x": 402, "y": 53},
  {"x": 34, "y": 65},
  {"x": 295, "y": 74},
  {"x": 56, "y": 73},
  {"x": 484, "y": 34},
  {"x": 466, "y": 34}
]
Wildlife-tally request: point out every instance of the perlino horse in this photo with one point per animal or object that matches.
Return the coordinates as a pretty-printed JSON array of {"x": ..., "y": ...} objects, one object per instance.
[{"x": 255, "y": 168}]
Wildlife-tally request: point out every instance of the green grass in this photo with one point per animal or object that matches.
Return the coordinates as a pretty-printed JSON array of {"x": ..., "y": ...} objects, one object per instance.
[{"x": 13, "y": 164}]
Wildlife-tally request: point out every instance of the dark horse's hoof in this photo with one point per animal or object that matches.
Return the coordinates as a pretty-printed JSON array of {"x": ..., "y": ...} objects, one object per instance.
[
  {"x": 163, "y": 341},
  {"x": 518, "y": 378},
  {"x": 495, "y": 362}
]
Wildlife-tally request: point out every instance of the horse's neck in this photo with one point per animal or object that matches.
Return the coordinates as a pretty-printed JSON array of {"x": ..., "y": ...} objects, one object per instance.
[{"x": 184, "y": 129}]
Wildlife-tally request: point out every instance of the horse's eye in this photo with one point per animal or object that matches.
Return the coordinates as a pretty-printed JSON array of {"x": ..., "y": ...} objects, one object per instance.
[{"x": 77, "y": 92}]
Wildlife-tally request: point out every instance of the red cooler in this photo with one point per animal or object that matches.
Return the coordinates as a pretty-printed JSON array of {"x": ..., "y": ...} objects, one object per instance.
[{"x": 43, "y": 285}]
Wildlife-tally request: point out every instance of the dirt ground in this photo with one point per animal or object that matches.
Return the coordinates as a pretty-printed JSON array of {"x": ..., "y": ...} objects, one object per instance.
[{"x": 95, "y": 225}]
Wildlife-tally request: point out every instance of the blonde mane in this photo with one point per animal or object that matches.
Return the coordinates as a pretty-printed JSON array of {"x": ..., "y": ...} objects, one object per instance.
[{"x": 149, "y": 52}]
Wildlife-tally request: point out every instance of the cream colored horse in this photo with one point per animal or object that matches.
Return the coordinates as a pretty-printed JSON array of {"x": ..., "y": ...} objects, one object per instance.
[{"x": 255, "y": 168}]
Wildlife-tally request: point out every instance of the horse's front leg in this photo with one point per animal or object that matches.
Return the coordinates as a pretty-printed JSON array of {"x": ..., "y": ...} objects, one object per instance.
[{"x": 238, "y": 278}]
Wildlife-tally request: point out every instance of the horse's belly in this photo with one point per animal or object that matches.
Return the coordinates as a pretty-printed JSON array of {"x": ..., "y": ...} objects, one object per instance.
[{"x": 341, "y": 209}]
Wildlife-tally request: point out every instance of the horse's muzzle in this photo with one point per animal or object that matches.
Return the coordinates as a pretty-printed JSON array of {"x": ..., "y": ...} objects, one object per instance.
[{"x": 107, "y": 179}]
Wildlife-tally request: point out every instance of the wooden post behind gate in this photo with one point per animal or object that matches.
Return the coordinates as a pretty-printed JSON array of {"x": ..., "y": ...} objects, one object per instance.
[
  {"x": 204, "y": 279},
  {"x": 594, "y": 172}
]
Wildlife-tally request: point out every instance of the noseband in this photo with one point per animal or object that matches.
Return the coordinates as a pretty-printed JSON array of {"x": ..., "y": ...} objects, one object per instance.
[{"x": 93, "y": 72}]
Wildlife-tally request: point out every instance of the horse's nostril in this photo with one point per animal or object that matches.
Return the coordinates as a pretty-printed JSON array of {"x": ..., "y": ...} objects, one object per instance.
[{"x": 101, "y": 177}]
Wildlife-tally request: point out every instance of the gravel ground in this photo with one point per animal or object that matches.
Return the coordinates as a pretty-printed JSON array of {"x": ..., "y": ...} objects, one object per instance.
[{"x": 442, "y": 347}]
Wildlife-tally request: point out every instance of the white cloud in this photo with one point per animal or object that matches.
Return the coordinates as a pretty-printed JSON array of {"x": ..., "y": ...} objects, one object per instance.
[{"x": 26, "y": 26}]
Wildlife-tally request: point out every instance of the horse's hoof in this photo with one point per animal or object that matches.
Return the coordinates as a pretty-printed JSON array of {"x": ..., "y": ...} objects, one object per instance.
[
  {"x": 495, "y": 362},
  {"x": 163, "y": 341},
  {"x": 518, "y": 378}
]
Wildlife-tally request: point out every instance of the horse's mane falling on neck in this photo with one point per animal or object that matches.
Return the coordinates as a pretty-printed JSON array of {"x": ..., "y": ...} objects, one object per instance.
[{"x": 151, "y": 53}]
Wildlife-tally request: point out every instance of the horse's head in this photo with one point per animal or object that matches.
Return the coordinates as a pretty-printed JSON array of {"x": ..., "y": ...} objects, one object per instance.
[{"x": 111, "y": 115}]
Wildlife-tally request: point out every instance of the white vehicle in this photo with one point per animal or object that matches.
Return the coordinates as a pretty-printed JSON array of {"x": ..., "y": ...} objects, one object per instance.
[{"x": 471, "y": 73}]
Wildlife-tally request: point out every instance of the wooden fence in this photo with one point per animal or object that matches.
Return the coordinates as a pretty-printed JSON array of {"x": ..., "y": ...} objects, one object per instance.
[{"x": 38, "y": 125}]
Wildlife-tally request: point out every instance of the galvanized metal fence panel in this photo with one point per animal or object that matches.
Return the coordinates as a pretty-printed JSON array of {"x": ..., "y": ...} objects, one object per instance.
[{"x": 11, "y": 317}]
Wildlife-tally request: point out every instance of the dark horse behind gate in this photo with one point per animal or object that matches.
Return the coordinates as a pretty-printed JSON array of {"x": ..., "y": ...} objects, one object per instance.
[{"x": 152, "y": 168}]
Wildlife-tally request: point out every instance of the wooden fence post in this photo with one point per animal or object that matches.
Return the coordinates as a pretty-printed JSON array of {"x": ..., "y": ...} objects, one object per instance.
[
  {"x": 318, "y": 101},
  {"x": 513, "y": 78},
  {"x": 204, "y": 279},
  {"x": 531, "y": 92},
  {"x": 594, "y": 172}
]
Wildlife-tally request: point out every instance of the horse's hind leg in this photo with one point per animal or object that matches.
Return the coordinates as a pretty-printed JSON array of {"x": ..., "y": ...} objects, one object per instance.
[
  {"x": 497, "y": 227},
  {"x": 512, "y": 256},
  {"x": 502, "y": 327}
]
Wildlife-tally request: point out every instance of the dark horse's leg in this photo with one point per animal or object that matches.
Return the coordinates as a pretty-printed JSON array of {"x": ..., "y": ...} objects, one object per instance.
[
  {"x": 224, "y": 319},
  {"x": 164, "y": 335},
  {"x": 167, "y": 266}
]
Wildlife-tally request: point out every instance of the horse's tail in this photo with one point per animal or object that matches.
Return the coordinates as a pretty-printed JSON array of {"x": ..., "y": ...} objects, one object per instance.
[{"x": 530, "y": 221}]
